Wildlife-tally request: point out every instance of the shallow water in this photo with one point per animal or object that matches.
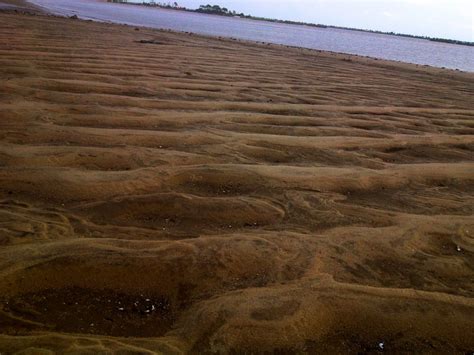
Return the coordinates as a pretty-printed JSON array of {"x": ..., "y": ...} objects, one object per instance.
[{"x": 367, "y": 44}]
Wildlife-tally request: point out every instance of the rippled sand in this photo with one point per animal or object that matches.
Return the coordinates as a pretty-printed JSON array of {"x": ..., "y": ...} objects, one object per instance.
[{"x": 165, "y": 192}]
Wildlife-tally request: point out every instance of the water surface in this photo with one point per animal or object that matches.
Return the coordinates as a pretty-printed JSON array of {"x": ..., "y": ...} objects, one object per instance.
[{"x": 403, "y": 49}]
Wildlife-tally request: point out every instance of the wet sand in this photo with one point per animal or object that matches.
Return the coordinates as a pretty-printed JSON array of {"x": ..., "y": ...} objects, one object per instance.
[
  {"x": 20, "y": 6},
  {"x": 172, "y": 193}
]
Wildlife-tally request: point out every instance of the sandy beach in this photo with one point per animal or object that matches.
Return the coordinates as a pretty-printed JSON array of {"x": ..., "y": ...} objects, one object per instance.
[{"x": 171, "y": 193}]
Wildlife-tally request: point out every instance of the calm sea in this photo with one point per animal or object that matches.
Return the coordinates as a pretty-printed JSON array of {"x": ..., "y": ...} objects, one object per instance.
[{"x": 367, "y": 44}]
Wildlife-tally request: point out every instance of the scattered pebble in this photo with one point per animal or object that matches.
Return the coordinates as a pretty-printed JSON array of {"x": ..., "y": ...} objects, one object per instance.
[
  {"x": 381, "y": 345},
  {"x": 458, "y": 248},
  {"x": 121, "y": 309}
]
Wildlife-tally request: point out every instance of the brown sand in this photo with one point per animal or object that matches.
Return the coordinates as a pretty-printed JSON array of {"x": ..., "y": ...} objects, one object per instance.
[
  {"x": 21, "y": 6},
  {"x": 164, "y": 192}
]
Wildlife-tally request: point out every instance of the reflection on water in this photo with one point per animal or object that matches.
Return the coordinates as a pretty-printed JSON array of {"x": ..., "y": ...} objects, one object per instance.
[{"x": 366, "y": 44}]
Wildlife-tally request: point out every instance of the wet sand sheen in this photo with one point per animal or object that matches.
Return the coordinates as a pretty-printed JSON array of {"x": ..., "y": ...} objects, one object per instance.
[{"x": 172, "y": 193}]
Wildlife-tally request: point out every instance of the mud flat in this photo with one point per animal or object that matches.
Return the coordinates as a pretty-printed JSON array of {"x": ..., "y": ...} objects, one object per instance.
[{"x": 171, "y": 193}]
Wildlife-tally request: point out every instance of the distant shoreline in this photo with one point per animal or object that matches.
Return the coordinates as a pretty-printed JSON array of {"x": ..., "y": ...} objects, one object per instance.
[
  {"x": 216, "y": 10},
  {"x": 158, "y": 20}
]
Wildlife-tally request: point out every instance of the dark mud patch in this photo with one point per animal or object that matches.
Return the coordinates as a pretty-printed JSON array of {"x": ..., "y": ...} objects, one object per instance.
[{"x": 79, "y": 310}]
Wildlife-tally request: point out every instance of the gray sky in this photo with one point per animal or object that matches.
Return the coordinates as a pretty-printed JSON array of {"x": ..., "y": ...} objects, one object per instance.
[{"x": 436, "y": 18}]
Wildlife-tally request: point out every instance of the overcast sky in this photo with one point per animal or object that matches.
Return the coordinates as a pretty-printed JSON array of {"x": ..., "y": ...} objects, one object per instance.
[{"x": 436, "y": 18}]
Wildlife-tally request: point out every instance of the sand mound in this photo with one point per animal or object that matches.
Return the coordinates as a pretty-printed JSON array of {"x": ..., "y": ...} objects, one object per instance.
[{"x": 186, "y": 211}]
